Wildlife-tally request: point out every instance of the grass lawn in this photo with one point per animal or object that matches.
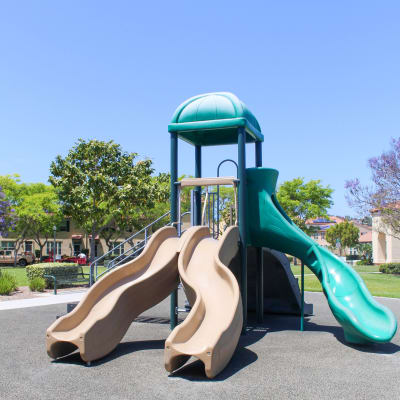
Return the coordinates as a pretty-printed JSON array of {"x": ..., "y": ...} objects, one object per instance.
[
  {"x": 19, "y": 274},
  {"x": 22, "y": 279},
  {"x": 385, "y": 285}
]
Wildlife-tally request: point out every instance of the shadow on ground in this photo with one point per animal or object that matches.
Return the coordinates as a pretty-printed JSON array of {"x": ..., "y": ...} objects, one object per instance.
[
  {"x": 278, "y": 323},
  {"x": 242, "y": 358},
  {"x": 121, "y": 350}
]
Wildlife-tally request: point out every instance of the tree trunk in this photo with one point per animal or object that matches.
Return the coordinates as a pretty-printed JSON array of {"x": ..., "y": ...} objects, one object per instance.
[{"x": 93, "y": 244}]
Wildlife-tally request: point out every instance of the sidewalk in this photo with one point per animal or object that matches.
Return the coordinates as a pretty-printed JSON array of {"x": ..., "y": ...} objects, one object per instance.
[{"x": 44, "y": 300}]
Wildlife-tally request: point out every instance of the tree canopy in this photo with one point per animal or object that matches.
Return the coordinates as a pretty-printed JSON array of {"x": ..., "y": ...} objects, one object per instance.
[
  {"x": 302, "y": 201},
  {"x": 36, "y": 210},
  {"x": 6, "y": 214},
  {"x": 342, "y": 235},
  {"x": 98, "y": 183},
  {"x": 383, "y": 196}
]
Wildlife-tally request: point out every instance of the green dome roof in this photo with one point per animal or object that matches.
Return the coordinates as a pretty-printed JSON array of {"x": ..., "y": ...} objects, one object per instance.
[{"x": 213, "y": 119}]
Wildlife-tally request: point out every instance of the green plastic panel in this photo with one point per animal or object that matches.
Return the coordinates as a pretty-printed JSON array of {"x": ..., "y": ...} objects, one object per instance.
[
  {"x": 363, "y": 319},
  {"x": 213, "y": 118}
]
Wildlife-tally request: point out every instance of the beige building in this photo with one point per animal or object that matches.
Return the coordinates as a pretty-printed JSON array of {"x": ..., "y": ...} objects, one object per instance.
[
  {"x": 385, "y": 247},
  {"x": 323, "y": 224},
  {"x": 70, "y": 241}
]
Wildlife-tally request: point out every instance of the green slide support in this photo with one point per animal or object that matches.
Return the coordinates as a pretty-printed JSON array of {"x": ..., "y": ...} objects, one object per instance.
[{"x": 363, "y": 319}]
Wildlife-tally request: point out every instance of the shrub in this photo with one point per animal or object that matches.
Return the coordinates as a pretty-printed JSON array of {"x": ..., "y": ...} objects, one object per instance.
[
  {"x": 37, "y": 284},
  {"x": 363, "y": 262},
  {"x": 390, "y": 268},
  {"x": 7, "y": 283},
  {"x": 59, "y": 269}
]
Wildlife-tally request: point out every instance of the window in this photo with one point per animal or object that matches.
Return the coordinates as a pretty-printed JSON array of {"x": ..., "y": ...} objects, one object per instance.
[
  {"x": 64, "y": 226},
  {"x": 28, "y": 246},
  {"x": 117, "y": 251},
  {"x": 315, "y": 235},
  {"x": 7, "y": 245},
  {"x": 50, "y": 247},
  {"x": 322, "y": 235}
]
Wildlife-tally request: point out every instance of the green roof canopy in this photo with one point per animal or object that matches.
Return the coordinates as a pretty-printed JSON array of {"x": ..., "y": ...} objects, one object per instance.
[{"x": 213, "y": 118}]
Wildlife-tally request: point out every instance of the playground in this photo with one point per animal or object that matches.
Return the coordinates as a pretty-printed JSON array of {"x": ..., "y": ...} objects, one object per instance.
[
  {"x": 225, "y": 275},
  {"x": 273, "y": 360},
  {"x": 191, "y": 305}
]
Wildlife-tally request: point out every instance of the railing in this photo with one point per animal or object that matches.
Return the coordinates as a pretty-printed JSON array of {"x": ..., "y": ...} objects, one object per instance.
[{"x": 125, "y": 255}]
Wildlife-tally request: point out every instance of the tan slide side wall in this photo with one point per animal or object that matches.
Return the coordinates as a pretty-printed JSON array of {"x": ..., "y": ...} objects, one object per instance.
[
  {"x": 212, "y": 329},
  {"x": 103, "y": 316}
]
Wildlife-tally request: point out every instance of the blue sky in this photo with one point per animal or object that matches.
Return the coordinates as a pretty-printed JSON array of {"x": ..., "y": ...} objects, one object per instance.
[{"x": 321, "y": 77}]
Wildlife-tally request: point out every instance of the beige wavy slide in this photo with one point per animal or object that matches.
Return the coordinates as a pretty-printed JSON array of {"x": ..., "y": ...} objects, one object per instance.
[
  {"x": 212, "y": 329},
  {"x": 101, "y": 319}
]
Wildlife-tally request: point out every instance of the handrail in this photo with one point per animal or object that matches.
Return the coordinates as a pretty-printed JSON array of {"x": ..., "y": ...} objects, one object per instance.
[
  {"x": 130, "y": 252},
  {"x": 130, "y": 238}
]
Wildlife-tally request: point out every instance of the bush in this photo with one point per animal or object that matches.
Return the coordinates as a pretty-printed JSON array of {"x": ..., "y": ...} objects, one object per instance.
[
  {"x": 37, "y": 284},
  {"x": 390, "y": 268},
  {"x": 364, "y": 262},
  {"x": 59, "y": 269},
  {"x": 7, "y": 283}
]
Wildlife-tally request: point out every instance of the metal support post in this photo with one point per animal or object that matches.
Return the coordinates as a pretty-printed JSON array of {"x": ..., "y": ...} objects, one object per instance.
[
  {"x": 197, "y": 190},
  {"x": 174, "y": 216},
  {"x": 259, "y": 250},
  {"x": 302, "y": 298},
  {"x": 242, "y": 219}
]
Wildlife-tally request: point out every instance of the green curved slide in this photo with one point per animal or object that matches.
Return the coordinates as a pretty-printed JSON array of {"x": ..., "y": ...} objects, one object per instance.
[{"x": 363, "y": 319}]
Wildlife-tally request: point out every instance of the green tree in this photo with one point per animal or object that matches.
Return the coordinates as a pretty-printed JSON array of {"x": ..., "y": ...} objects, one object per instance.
[
  {"x": 36, "y": 210},
  {"x": 41, "y": 211},
  {"x": 342, "y": 235},
  {"x": 98, "y": 183},
  {"x": 365, "y": 251},
  {"x": 302, "y": 201}
]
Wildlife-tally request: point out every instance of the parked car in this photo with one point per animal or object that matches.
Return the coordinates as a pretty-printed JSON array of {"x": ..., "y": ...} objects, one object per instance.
[{"x": 23, "y": 259}]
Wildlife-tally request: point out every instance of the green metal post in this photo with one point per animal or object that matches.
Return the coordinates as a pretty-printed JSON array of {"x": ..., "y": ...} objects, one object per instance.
[
  {"x": 302, "y": 298},
  {"x": 197, "y": 190},
  {"x": 242, "y": 219},
  {"x": 174, "y": 216},
  {"x": 260, "y": 261}
]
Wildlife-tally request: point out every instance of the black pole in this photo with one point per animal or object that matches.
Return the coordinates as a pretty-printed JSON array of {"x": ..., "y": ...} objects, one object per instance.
[
  {"x": 259, "y": 250},
  {"x": 242, "y": 219},
  {"x": 197, "y": 190},
  {"x": 174, "y": 216}
]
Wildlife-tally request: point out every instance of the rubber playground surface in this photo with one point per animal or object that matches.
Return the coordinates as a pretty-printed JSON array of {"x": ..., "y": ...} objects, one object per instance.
[{"x": 274, "y": 360}]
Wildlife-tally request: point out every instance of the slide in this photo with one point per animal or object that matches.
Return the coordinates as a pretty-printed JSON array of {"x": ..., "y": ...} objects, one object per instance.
[
  {"x": 363, "y": 319},
  {"x": 212, "y": 329},
  {"x": 99, "y": 322}
]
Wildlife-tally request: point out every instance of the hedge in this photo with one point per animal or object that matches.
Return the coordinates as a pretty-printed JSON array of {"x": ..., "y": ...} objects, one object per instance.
[
  {"x": 390, "y": 268},
  {"x": 59, "y": 269}
]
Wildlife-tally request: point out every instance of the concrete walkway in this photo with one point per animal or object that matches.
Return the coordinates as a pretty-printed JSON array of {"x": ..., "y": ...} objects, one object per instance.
[{"x": 45, "y": 300}]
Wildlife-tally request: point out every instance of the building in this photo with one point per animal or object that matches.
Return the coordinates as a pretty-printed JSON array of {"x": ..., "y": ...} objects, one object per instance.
[
  {"x": 70, "y": 241},
  {"x": 321, "y": 225},
  {"x": 385, "y": 246}
]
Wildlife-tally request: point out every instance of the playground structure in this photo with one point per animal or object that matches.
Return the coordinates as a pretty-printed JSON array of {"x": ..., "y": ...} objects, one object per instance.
[{"x": 214, "y": 270}]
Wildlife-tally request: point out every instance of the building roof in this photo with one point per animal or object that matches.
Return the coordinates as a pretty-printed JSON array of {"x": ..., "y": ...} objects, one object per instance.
[{"x": 213, "y": 118}]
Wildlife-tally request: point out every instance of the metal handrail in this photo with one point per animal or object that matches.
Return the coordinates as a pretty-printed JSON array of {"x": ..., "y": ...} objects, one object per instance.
[
  {"x": 130, "y": 238},
  {"x": 134, "y": 250}
]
